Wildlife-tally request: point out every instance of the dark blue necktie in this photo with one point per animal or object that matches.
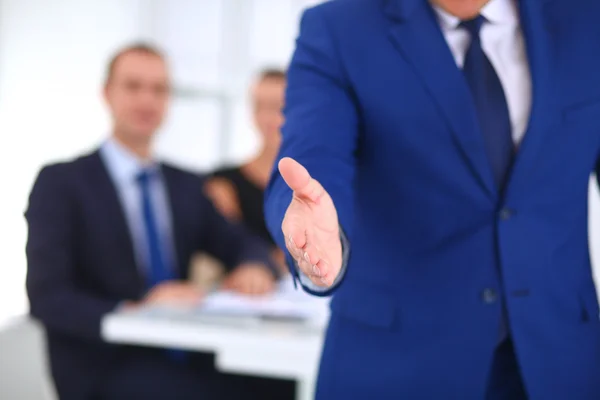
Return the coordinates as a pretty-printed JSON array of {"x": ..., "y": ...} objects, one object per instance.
[
  {"x": 158, "y": 269},
  {"x": 492, "y": 113},
  {"x": 490, "y": 103}
]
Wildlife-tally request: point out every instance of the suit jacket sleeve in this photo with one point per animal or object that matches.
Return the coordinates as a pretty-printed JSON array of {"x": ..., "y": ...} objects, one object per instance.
[
  {"x": 321, "y": 129},
  {"x": 231, "y": 243},
  {"x": 54, "y": 297}
]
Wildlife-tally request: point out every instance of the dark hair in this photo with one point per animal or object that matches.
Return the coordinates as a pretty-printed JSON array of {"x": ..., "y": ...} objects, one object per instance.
[
  {"x": 142, "y": 48},
  {"x": 272, "y": 73}
]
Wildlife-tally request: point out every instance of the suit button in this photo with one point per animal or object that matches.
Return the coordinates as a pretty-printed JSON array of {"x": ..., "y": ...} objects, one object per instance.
[
  {"x": 489, "y": 296},
  {"x": 506, "y": 214}
]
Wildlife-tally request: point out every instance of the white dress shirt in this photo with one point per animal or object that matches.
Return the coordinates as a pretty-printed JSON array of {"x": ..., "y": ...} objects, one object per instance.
[{"x": 504, "y": 45}]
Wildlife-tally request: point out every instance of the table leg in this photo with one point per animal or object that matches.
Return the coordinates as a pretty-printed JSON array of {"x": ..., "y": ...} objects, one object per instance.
[{"x": 305, "y": 388}]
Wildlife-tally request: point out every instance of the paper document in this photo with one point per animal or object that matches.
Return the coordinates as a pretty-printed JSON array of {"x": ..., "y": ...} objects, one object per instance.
[{"x": 286, "y": 303}]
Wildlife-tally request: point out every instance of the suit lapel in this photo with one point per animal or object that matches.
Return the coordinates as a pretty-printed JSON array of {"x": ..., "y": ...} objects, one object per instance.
[
  {"x": 535, "y": 23},
  {"x": 416, "y": 34}
]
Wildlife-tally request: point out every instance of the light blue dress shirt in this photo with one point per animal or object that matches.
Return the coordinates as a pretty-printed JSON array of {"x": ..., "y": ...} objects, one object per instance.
[{"x": 123, "y": 168}]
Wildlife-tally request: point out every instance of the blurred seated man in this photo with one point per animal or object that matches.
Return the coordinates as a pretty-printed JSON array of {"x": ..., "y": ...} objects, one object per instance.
[
  {"x": 237, "y": 191},
  {"x": 116, "y": 228}
]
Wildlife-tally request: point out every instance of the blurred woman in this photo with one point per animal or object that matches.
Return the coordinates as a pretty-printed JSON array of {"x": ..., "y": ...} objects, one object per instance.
[{"x": 238, "y": 191}]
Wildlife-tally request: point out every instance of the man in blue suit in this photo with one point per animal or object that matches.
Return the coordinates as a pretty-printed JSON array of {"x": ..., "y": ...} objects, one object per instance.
[
  {"x": 449, "y": 145},
  {"x": 118, "y": 229}
]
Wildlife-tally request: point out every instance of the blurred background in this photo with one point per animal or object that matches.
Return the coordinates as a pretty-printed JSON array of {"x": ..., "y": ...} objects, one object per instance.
[{"x": 53, "y": 57}]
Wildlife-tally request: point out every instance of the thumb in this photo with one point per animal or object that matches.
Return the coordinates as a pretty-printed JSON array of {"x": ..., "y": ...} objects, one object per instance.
[{"x": 299, "y": 180}]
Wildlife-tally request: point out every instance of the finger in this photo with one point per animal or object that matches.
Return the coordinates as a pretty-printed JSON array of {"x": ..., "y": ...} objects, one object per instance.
[
  {"x": 256, "y": 288},
  {"x": 237, "y": 283},
  {"x": 176, "y": 297},
  {"x": 320, "y": 282},
  {"x": 255, "y": 284},
  {"x": 167, "y": 288},
  {"x": 313, "y": 273},
  {"x": 245, "y": 288},
  {"x": 185, "y": 290},
  {"x": 187, "y": 296},
  {"x": 227, "y": 283},
  {"x": 156, "y": 291},
  {"x": 246, "y": 284},
  {"x": 194, "y": 295},
  {"x": 192, "y": 300},
  {"x": 295, "y": 243},
  {"x": 327, "y": 277},
  {"x": 319, "y": 273},
  {"x": 270, "y": 284},
  {"x": 294, "y": 226},
  {"x": 311, "y": 257},
  {"x": 264, "y": 286},
  {"x": 299, "y": 180},
  {"x": 310, "y": 253}
]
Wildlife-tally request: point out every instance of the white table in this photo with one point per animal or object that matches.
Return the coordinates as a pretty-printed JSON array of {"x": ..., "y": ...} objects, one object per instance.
[{"x": 251, "y": 346}]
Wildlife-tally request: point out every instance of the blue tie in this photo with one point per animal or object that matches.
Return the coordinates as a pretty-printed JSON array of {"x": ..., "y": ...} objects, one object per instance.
[
  {"x": 159, "y": 269},
  {"x": 490, "y": 104},
  {"x": 492, "y": 113}
]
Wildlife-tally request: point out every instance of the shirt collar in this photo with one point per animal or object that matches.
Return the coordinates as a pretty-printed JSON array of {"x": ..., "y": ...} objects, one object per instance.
[
  {"x": 495, "y": 11},
  {"x": 123, "y": 165}
]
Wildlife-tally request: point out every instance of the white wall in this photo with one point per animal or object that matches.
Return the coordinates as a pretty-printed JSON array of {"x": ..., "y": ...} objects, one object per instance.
[
  {"x": 594, "y": 230},
  {"x": 52, "y": 55}
]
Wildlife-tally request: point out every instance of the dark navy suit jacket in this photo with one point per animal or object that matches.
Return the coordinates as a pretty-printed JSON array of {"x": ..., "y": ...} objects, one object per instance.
[
  {"x": 81, "y": 262},
  {"x": 380, "y": 114}
]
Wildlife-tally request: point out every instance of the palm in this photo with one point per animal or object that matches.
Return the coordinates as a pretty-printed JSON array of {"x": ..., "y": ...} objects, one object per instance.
[
  {"x": 320, "y": 220},
  {"x": 311, "y": 223}
]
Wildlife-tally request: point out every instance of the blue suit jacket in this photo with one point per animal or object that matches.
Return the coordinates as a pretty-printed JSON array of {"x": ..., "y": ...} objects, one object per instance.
[
  {"x": 379, "y": 113},
  {"x": 81, "y": 261}
]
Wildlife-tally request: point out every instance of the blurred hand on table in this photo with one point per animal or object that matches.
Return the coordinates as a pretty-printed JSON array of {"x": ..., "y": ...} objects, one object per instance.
[
  {"x": 173, "y": 293},
  {"x": 250, "y": 279}
]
